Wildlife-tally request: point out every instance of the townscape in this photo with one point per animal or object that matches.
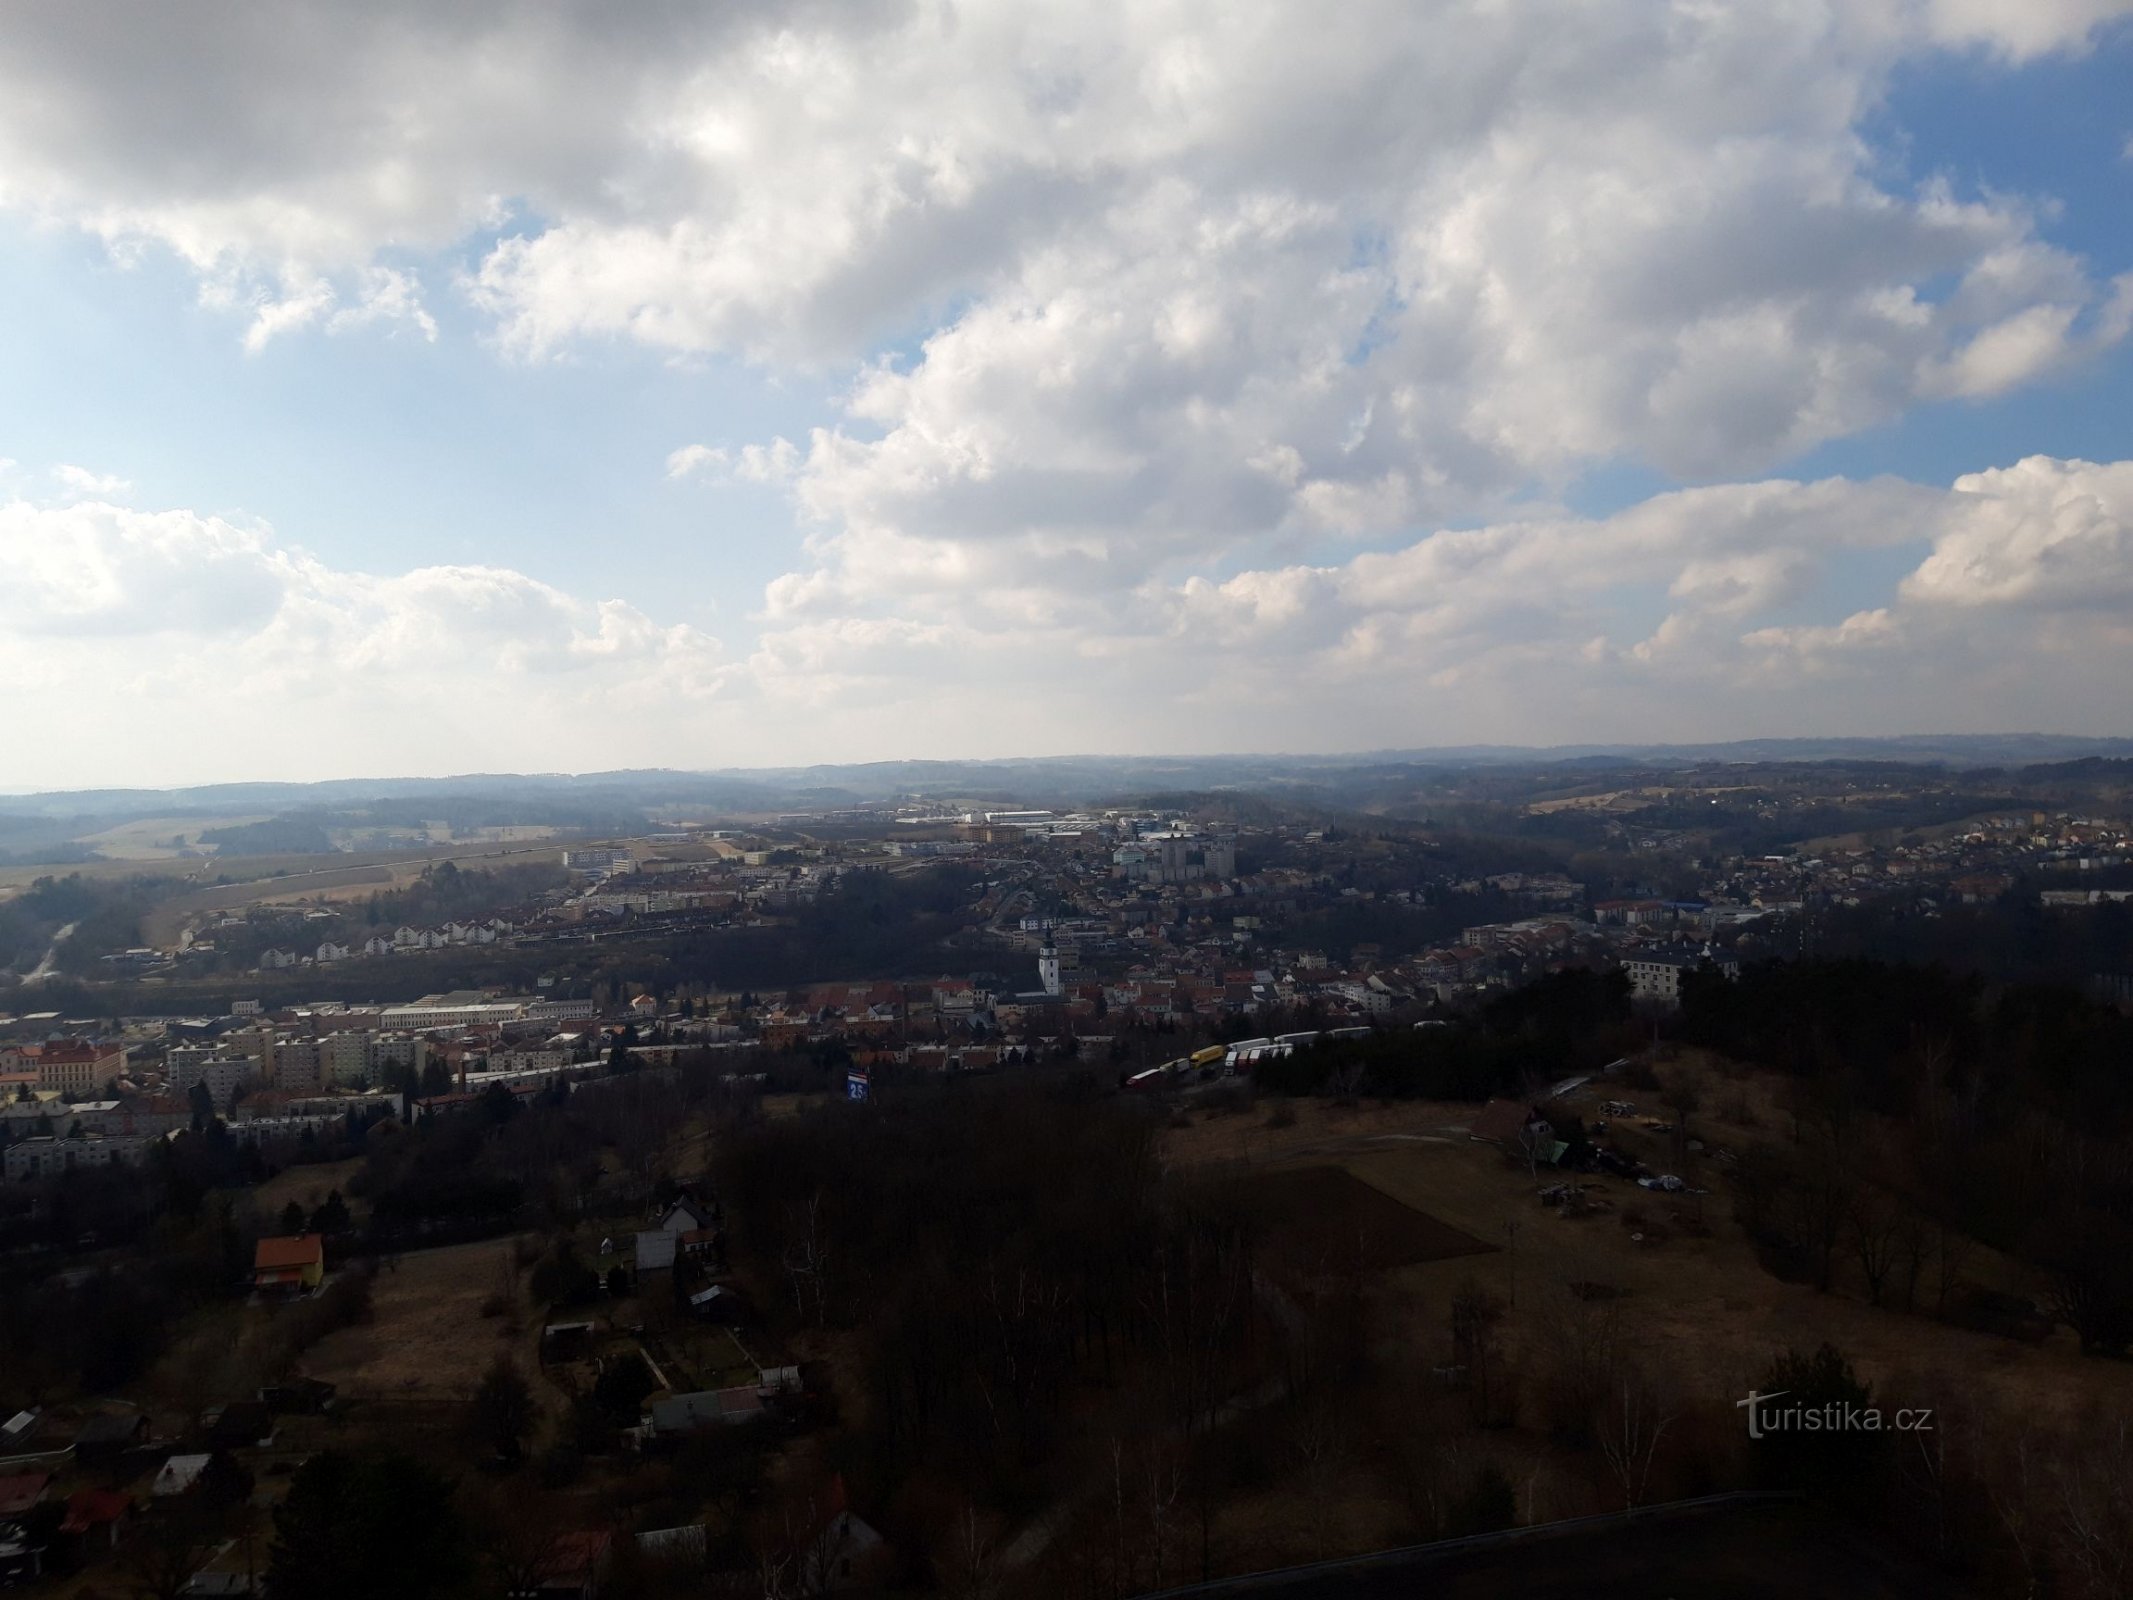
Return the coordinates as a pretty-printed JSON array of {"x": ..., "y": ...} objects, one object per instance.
[{"x": 558, "y": 1228}]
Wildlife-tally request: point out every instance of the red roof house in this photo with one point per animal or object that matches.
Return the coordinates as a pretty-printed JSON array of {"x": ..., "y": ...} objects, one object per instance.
[{"x": 92, "y": 1512}]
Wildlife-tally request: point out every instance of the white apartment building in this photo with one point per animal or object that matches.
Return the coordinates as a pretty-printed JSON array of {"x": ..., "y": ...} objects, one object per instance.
[
  {"x": 599, "y": 861},
  {"x": 389, "y": 1050},
  {"x": 344, "y": 1058},
  {"x": 1655, "y": 975},
  {"x": 45, "y": 1158},
  {"x": 1176, "y": 856}
]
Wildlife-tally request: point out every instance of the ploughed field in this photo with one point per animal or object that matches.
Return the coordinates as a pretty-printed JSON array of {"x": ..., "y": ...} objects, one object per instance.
[{"x": 1326, "y": 1217}]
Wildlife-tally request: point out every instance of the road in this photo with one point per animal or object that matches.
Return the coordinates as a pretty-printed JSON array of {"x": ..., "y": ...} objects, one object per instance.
[{"x": 47, "y": 967}]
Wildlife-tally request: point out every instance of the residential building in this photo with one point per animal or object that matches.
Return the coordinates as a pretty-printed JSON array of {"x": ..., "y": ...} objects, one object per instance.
[
  {"x": 1655, "y": 975},
  {"x": 1175, "y": 856},
  {"x": 392, "y": 1050},
  {"x": 47, "y": 1158},
  {"x": 295, "y": 1066},
  {"x": 222, "y": 1071},
  {"x": 290, "y": 1263},
  {"x": 344, "y": 1058},
  {"x": 599, "y": 862}
]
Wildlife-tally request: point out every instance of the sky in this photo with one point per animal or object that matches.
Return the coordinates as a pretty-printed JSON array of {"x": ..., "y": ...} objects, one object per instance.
[{"x": 406, "y": 389}]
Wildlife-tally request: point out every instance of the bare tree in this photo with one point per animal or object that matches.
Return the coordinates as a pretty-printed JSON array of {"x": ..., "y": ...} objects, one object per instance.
[
  {"x": 972, "y": 1564},
  {"x": 2094, "y": 1505},
  {"x": 1951, "y": 1251},
  {"x": 1680, "y": 1097},
  {"x": 1914, "y": 1244},
  {"x": 1874, "y": 1221},
  {"x": 1162, "y": 1486},
  {"x": 1317, "y": 1435},
  {"x": 1633, "y": 1421},
  {"x": 1922, "y": 1469},
  {"x": 1475, "y": 1346},
  {"x": 807, "y": 1260},
  {"x": 1582, "y": 1337},
  {"x": 167, "y": 1549},
  {"x": 1535, "y": 1140},
  {"x": 518, "y": 1541},
  {"x": 1822, "y": 1201},
  {"x": 1427, "y": 1456},
  {"x": 2013, "y": 1490}
]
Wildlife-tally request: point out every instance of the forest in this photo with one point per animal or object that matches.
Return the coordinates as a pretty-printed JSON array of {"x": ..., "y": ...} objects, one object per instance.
[{"x": 1928, "y": 1107}]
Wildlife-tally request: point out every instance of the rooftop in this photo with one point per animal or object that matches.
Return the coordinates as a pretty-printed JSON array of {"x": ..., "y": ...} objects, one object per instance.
[{"x": 298, "y": 1250}]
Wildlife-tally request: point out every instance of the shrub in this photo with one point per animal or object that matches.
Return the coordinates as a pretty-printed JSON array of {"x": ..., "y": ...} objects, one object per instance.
[
  {"x": 1844, "y": 1466},
  {"x": 560, "y": 1466},
  {"x": 623, "y": 1383},
  {"x": 560, "y": 1278},
  {"x": 1489, "y": 1505},
  {"x": 343, "y": 1303}
]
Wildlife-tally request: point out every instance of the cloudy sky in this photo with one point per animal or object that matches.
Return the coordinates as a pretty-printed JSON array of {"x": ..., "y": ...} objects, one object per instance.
[{"x": 415, "y": 389}]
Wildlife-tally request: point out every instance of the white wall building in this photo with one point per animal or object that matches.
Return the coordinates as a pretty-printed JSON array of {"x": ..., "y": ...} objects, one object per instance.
[{"x": 1655, "y": 975}]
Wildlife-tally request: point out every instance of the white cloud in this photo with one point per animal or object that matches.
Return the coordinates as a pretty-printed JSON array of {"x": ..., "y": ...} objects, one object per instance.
[
  {"x": 388, "y": 297},
  {"x": 80, "y": 483},
  {"x": 2042, "y": 534},
  {"x": 1184, "y": 306},
  {"x": 772, "y": 463},
  {"x": 775, "y": 462},
  {"x": 1417, "y": 260},
  {"x": 1705, "y": 613},
  {"x": 183, "y": 639},
  {"x": 691, "y": 459},
  {"x": 2019, "y": 29},
  {"x": 1715, "y": 612}
]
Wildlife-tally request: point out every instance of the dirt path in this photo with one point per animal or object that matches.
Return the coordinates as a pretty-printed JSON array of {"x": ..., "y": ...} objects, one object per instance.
[{"x": 48, "y": 966}]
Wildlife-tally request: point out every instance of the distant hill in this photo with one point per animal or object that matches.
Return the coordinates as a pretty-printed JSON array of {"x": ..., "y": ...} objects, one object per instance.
[{"x": 46, "y": 827}]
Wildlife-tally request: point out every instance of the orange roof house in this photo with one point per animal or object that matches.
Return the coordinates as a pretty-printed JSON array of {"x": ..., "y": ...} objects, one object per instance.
[{"x": 291, "y": 1262}]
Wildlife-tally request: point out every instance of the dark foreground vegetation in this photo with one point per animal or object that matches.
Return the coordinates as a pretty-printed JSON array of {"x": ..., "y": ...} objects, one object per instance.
[
  {"x": 1928, "y": 1108},
  {"x": 1047, "y": 1355}
]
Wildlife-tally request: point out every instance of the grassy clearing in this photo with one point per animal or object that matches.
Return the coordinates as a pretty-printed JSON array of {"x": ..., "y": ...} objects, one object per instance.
[
  {"x": 149, "y": 838},
  {"x": 427, "y": 1339},
  {"x": 308, "y": 1186},
  {"x": 1702, "y": 1307},
  {"x": 261, "y": 880}
]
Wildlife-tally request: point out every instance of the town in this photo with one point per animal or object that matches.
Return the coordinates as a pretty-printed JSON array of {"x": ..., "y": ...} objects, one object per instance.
[{"x": 480, "y": 1160}]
